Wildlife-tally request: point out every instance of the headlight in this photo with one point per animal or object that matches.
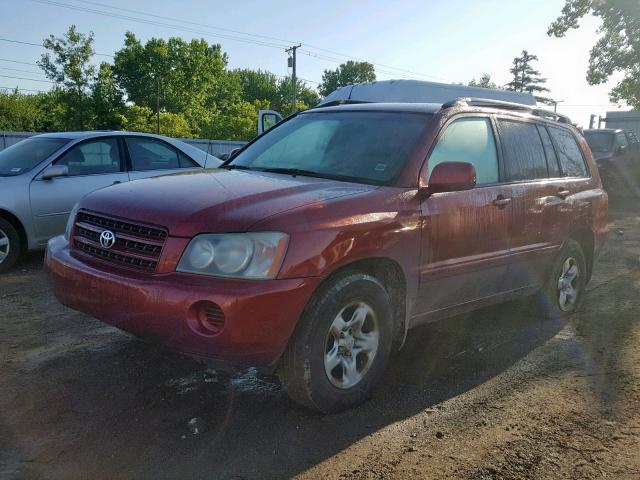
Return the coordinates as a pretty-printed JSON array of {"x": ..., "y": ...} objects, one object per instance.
[
  {"x": 256, "y": 255},
  {"x": 70, "y": 221}
]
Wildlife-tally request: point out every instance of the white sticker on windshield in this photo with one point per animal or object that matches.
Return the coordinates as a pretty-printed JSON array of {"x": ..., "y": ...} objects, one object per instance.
[
  {"x": 381, "y": 167},
  {"x": 15, "y": 170}
]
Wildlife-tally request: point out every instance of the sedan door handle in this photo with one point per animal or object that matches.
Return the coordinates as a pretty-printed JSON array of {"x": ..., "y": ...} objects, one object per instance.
[
  {"x": 116, "y": 182},
  {"x": 501, "y": 201},
  {"x": 563, "y": 193}
]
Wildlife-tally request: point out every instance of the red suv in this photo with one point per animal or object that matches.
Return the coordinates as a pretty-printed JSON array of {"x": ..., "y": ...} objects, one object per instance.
[{"x": 316, "y": 248}]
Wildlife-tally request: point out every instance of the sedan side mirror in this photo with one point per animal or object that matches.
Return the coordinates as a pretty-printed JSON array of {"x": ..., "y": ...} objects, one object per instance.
[
  {"x": 452, "y": 177},
  {"x": 54, "y": 171},
  {"x": 233, "y": 153}
]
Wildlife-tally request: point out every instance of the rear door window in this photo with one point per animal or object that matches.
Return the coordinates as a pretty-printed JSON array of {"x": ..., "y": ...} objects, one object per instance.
[
  {"x": 569, "y": 153},
  {"x": 471, "y": 140},
  {"x": 151, "y": 154},
  {"x": 93, "y": 157},
  {"x": 524, "y": 155}
]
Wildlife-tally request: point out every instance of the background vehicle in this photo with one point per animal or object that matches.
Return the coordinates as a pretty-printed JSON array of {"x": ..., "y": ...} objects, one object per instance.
[
  {"x": 42, "y": 178},
  {"x": 338, "y": 231},
  {"x": 617, "y": 154}
]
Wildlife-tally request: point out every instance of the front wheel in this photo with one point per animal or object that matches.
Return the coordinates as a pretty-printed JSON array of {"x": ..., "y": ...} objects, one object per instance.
[
  {"x": 9, "y": 245},
  {"x": 341, "y": 345}
]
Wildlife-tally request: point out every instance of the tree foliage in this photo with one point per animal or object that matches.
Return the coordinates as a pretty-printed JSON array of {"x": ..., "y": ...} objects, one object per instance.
[
  {"x": 67, "y": 62},
  {"x": 526, "y": 78},
  {"x": 618, "y": 48},
  {"x": 184, "y": 83},
  {"x": 346, "y": 74},
  {"x": 484, "y": 82}
]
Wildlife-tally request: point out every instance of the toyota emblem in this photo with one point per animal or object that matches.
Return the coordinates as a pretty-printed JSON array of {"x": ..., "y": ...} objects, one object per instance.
[{"x": 107, "y": 239}]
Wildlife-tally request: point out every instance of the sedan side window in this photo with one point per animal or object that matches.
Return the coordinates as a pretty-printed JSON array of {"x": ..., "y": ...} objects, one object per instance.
[
  {"x": 569, "y": 153},
  {"x": 469, "y": 140},
  {"x": 150, "y": 154},
  {"x": 93, "y": 157}
]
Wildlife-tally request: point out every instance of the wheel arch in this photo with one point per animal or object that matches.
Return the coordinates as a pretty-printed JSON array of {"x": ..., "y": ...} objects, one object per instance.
[
  {"x": 586, "y": 239},
  {"x": 17, "y": 224},
  {"x": 392, "y": 276}
]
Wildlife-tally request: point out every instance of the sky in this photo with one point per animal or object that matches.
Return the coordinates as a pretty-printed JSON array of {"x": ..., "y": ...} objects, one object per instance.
[{"x": 452, "y": 41}]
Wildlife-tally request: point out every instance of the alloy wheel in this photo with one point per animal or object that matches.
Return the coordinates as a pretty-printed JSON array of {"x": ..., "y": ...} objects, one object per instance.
[
  {"x": 351, "y": 345},
  {"x": 567, "y": 284},
  {"x": 5, "y": 245}
]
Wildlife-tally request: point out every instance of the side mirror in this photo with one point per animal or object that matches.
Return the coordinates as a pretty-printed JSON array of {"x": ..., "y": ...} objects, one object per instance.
[
  {"x": 233, "y": 153},
  {"x": 452, "y": 177},
  {"x": 54, "y": 171},
  {"x": 621, "y": 148},
  {"x": 267, "y": 119}
]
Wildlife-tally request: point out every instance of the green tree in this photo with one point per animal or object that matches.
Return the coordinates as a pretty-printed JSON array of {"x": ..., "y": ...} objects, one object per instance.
[
  {"x": 484, "y": 82},
  {"x": 346, "y": 74},
  {"x": 143, "y": 119},
  {"x": 238, "y": 121},
  {"x": 68, "y": 63},
  {"x": 176, "y": 76},
  {"x": 526, "y": 78},
  {"x": 305, "y": 97},
  {"x": 618, "y": 48},
  {"x": 107, "y": 99},
  {"x": 257, "y": 85}
]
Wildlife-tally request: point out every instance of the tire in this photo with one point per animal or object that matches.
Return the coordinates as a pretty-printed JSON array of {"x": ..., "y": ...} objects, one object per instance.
[
  {"x": 10, "y": 247},
  {"x": 338, "y": 329},
  {"x": 564, "y": 291}
]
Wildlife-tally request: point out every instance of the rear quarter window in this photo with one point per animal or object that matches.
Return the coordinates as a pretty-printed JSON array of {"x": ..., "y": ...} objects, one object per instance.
[{"x": 569, "y": 153}]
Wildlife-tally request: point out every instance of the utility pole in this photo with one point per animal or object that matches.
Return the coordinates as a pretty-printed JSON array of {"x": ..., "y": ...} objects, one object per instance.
[
  {"x": 292, "y": 64},
  {"x": 158, "y": 106}
]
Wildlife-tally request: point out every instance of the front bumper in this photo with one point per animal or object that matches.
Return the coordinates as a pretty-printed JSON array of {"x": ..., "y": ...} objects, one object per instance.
[{"x": 260, "y": 315}]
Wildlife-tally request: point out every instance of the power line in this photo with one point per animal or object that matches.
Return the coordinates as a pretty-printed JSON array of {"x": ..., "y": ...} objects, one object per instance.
[
  {"x": 283, "y": 43},
  {"x": 160, "y": 24},
  {"x": 22, "y": 71},
  {"x": 139, "y": 12},
  {"x": 10, "y": 40},
  {"x": 24, "y": 78},
  {"x": 17, "y": 61},
  {"x": 22, "y": 89}
]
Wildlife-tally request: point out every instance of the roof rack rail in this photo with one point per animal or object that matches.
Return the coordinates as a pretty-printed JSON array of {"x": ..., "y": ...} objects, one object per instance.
[
  {"x": 333, "y": 103},
  {"x": 485, "y": 102}
]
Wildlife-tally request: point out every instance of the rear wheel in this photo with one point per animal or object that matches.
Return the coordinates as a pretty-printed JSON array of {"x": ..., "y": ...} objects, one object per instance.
[
  {"x": 341, "y": 345},
  {"x": 9, "y": 245},
  {"x": 568, "y": 280}
]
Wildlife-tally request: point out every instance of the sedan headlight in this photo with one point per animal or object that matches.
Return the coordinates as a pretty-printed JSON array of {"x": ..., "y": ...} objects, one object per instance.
[
  {"x": 255, "y": 255},
  {"x": 70, "y": 221}
]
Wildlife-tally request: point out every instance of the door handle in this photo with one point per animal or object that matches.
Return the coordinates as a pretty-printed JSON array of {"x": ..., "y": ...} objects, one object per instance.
[
  {"x": 501, "y": 201},
  {"x": 116, "y": 182},
  {"x": 563, "y": 193}
]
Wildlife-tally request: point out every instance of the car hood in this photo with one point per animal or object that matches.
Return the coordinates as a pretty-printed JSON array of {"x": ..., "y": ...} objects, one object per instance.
[{"x": 216, "y": 200}]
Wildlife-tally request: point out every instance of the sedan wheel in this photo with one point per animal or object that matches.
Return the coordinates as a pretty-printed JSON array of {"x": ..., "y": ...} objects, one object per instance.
[{"x": 5, "y": 246}]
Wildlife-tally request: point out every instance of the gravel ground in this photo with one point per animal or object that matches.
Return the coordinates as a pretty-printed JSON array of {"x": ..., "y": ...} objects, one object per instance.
[{"x": 498, "y": 394}]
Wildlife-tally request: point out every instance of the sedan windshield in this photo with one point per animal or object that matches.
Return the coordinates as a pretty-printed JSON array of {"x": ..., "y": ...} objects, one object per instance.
[
  {"x": 28, "y": 153},
  {"x": 599, "y": 141},
  {"x": 366, "y": 147}
]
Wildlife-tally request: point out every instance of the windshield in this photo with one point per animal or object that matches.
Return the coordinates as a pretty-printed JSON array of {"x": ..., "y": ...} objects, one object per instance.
[
  {"x": 599, "y": 141},
  {"x": 28, "y": 153},
  {"x": 366, "y": 147}
]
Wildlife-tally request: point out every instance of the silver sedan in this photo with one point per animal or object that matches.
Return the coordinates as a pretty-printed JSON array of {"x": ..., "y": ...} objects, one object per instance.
[{"x": 42, "y": 178}]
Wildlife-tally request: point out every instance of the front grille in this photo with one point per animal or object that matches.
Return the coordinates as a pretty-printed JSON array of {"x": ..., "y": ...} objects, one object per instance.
[{"x": 136, "y": 246}]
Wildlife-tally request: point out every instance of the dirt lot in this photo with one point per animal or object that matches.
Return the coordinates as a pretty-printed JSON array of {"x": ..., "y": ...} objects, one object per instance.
[{"x": 497, "y": 394}]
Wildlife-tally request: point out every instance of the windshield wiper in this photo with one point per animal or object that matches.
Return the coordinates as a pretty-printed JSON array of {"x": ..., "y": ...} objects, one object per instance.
[{"x": 295, "y": 172}]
